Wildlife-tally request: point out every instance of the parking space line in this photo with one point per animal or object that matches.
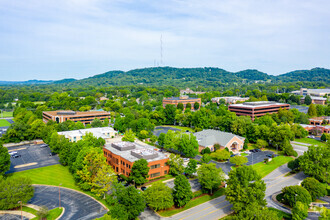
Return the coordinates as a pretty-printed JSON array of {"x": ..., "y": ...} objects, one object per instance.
[{"x": 25, "y": 165}]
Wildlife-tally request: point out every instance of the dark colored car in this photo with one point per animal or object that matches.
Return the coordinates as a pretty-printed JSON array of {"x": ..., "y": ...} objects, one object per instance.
[
  {"x": 52, "y": 154},
  {"x": 253, "y": 151},
  {"x": 233, "y": 155},
  {"x": 143, "y": 188},
  {"x": 269, "y": 155},
  {"x": 257, "y": 150},
  {"x": 16, "y": 155}
]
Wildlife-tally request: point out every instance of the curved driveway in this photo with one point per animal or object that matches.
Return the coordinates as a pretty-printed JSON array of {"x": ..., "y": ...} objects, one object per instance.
[{"x": 77, "y": 205}]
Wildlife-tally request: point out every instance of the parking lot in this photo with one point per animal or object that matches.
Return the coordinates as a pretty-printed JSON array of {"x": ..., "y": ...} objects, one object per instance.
[
  {"x": 160, "y": 129},
  {"x": 195, "y": 185},
  {"x": 31, "y": 157}
]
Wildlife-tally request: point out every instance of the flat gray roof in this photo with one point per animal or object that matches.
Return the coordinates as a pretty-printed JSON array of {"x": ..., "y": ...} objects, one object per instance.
[
  {"x": 256, "y": 104},
  {"x": 139, "y": 151},
  {"x": 210, "y": 137}
]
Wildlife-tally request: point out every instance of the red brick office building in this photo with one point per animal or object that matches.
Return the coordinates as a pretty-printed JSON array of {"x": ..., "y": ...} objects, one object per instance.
[
  {"x": 122, "y": 155},
  {"x": 257, "y": 109},
  {"x": 182, "y": 99},
  {"x": 84, "y": 117}
]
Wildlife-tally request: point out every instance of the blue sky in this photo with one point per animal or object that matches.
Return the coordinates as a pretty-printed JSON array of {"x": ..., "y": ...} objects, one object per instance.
[{"x": 55, "y": 39}]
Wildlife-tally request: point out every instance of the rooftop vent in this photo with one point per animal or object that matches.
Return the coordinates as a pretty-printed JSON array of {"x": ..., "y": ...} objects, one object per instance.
[
  {"x": 123, "y": 146},
  {"x": 144, "y": 154}
]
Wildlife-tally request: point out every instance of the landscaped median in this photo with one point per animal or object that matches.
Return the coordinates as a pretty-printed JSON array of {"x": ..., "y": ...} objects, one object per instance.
[
  {"x": 310, "y": 141},
  {"x": 202, "y": 198},
  {"x": 264, "y": 169}
]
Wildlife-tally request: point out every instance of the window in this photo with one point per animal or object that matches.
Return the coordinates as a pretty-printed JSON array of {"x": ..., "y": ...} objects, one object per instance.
[
  {"x": 124, "y": 163},
  {"x": 74, "y": 139},
  {"x": 154, "y": 166},
  {"x": 165, "y": 172},
  {"x": 155, "y": 175}
]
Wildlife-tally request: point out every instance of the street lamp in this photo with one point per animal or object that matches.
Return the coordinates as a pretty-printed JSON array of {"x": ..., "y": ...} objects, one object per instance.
[
  {"x": 295, "y": 199},
  {"x": 59, "y": 194},
  {"x": 20, "y": 202}
]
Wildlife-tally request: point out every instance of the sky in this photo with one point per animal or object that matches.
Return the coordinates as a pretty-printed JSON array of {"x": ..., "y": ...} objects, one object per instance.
[{"x": 56, "y": 39}]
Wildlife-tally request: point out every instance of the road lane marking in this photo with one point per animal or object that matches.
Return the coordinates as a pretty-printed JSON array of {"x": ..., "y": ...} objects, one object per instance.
[
  {"x": 26, "y": 165},
  {"x": 213, "y": 211},
  {"x": 202, "y": 209},
  {"x": 281, "y": 181},
  {"x": 22, "y": 148}
]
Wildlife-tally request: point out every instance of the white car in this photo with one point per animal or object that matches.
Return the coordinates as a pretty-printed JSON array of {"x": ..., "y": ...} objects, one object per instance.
[{"x": 12, "y": 153}]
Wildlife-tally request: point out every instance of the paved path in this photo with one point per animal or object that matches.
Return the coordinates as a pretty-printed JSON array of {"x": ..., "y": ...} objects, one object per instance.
[{"x": 77, "y": 205}]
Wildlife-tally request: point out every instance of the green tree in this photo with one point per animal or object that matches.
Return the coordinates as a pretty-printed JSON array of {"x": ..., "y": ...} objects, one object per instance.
[
  {"x": 245, "y": 182},
  {"x": 238, "y": 160},
  {"x": 314, "y": 187},
  {"x": 294, "y": 164},
  {"x": 176, "y": 165},
  {"x": 308, "y": 100},
  {"x": 42, "y": 212},
  {"x": 159, "y": 196},
  {"x": 133, "y": 201},
  {"x": 315, "y": 163},
  {"x": 188, "y": 106},
  {"x": 118, "y": 211},
  {"x": 256, "y": 212},
  {"x": 139, "y": 172},
  {"x": 4, "y": 160},
  {"x": 206, "y": 158},
  {"x": 180, "y": 106},
  {"x": 299, "y": 211},
  {"x": 312, "y": 111},
  {"x": 323, "y": 137},
  {"x": 188, "y": 145},
  {"x": 210, "y": 177},
  {"x": 325, "y": 214},
  {"x": 196, "y": 105},
  {"x": 129, "y": 136},
  {"x": 261, "y": 143},
  {"x": 13, "y": 190},
  {"x": 161, "y": 139},
  {"x": 170, "y": 112},
  {"x": 182, "y": 193},
  {"x": 96, "y": 123},
  {"x": 106, "y": 122},
  {"x": 191, "y": 167},
  {"x": 104, "y": 180},
  {"x": 293, "y": 194},
  {"x": 220, "y": 155}
]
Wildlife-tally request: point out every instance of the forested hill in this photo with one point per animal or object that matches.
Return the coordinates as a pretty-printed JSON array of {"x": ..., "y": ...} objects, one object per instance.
[
  {"x": 188, "y": 77},
  {"x": 315, "y": 74},
  {"x": 191, "y": 77},
  {"x": 175, "y": 76}
]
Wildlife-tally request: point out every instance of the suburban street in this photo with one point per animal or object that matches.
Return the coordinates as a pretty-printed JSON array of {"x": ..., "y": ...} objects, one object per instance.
[
  {"x": 219, "y": 207},
  {"x": 299, "y": 147}
]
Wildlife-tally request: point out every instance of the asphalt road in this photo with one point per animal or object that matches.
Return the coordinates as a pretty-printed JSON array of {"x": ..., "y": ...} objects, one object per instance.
[
  {"x": 219, "y": 207},
  {"x": 31, "y": 154},
  {"x": 77, "y": 205},
  {"x": 11, "y": 217}
]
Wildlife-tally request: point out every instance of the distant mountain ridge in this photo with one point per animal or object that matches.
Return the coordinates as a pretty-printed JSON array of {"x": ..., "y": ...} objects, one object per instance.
[{"x": 207, "y": 76}]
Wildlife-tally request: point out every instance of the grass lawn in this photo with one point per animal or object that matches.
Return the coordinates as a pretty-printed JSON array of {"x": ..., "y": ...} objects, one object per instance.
[
  {"x": 50, "y": 176},
  {"x": 244, "y": 154},
  {"x": 6, "y": 114},
  {"x": 4, "y": 122},
  {"x": 310, "y": 141},
  {"x": 192, "y": 203},
  {"x": 39, "y": 102},
  {"x": 281, "y": 214},
  {"x": 179, "y": 127},
  {"x": 52, "y": 214},
  {"x": 166, "y": 177},
  {"x": 264, "y": 169}
]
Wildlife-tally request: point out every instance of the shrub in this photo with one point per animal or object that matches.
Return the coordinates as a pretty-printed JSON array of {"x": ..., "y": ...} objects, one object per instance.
[
  {"x": 220, "y": 155},
  {"x": 294, "y": 164},
  {"x": 216, "y": 146},
  {"x": 299, "y": 211},
  {"x": 206, "y": 151},
  {"x": 197, "y": 193},
  {"x": 206, "y": 158}
]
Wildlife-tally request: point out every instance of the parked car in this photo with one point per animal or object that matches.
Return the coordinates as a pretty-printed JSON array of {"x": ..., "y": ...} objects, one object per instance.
[
  {"x": 43, "y": 145},
  {"x": 12, "y": 153},
  {"x": 253, "y": 151},
  {"x": 143, "y": 188},
  {"x": 269, "y": 155},
  {"x": 257, "y": 150},
  {"x": 16, "y": 155},
  {"x": 52, "y": 154},
  {"x": 233, "y": 155}
]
